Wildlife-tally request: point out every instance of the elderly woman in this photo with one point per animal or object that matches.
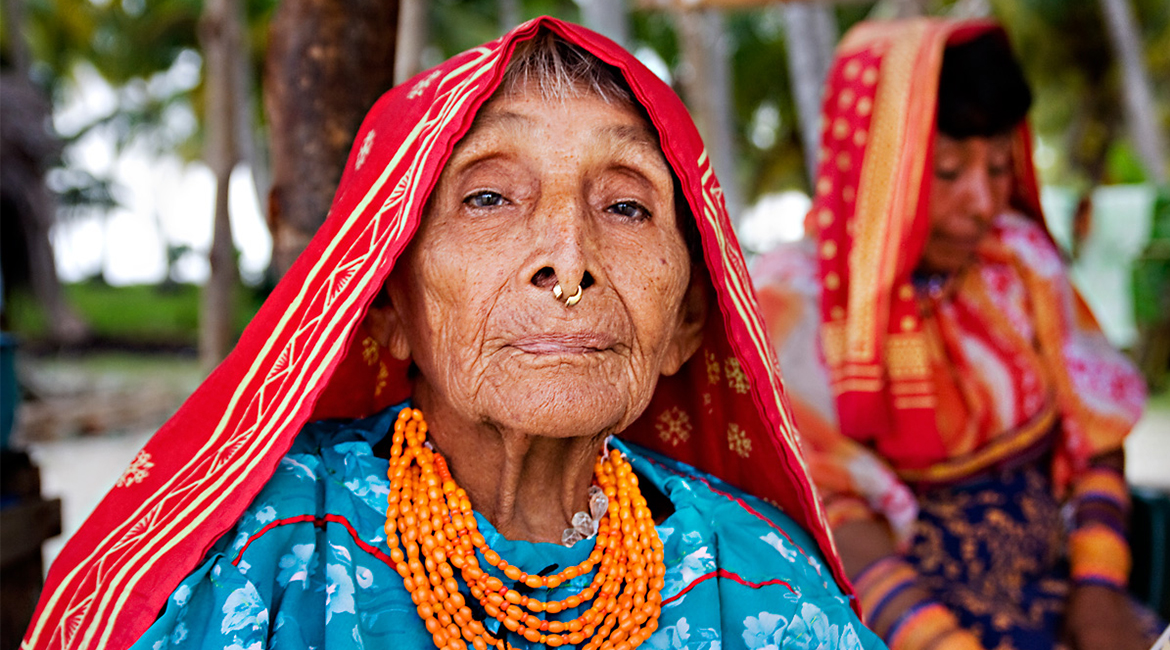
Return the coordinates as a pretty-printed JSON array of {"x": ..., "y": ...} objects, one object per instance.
[
  {"x": 960, "y": 393},
  {"x": 528, "y": 245}
]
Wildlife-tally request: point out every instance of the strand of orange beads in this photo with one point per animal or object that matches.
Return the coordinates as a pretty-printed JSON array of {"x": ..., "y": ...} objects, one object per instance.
[
  {"x": 577, "y": 630},
  {"x": 433, "y": 537}
]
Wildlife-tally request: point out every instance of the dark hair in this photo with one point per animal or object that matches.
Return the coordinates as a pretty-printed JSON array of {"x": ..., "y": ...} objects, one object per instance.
[{"x": 981, "y": 89}]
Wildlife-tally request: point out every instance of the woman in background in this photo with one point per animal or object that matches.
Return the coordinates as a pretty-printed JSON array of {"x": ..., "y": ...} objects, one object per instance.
[{"x": 954, "y": 392}]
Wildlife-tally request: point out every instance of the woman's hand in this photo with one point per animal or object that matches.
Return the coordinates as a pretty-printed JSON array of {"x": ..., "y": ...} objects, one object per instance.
[{"x": 1100, "y": 618}]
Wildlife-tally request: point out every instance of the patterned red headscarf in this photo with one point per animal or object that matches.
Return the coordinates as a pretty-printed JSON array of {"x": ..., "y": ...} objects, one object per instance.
[
  {"x": 870, "y": 218},
  {"x": 871, "y": 222},
  {"x": 306, "y": 356}
]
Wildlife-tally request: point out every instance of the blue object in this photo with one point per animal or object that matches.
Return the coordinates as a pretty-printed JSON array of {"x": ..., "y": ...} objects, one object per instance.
[{"x": 9, "y": 388}]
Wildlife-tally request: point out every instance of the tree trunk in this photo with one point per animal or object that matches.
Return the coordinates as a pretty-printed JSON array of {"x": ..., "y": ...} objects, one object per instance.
[
  {"x": 17, "y": 48},
  {"x": 705, "y": 75},
  {"x": 28, "y": 147},
  {"x": 222, "y": 34},
  {"x": 509, "y": 14},
  {"x": 1135, "y": 88},
  {"x": 412, "y": 38},
  {"x": 327, "y": 62},
  {"x": 607, "y": 17},
  {"x": 811, "y": 33}
]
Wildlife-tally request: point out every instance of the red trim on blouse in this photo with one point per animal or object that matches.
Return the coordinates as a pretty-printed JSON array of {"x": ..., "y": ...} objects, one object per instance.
[
  {"x": 724, "y": 573},
  {"x": 319, "y": 522}
]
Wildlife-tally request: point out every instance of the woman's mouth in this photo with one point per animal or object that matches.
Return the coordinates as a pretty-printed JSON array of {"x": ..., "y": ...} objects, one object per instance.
[{"x": 564, "y": 344}]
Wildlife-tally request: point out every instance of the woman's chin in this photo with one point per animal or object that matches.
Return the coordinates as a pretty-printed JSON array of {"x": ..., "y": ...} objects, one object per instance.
[{"x": 569, "y": 409}]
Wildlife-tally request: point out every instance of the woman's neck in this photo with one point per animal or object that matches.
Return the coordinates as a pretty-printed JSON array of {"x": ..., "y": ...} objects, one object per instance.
[{"x": 528, "y": 486}]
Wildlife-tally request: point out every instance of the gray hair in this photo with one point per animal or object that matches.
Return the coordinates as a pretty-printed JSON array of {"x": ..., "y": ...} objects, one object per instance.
[{"x": 560, "y": 70}]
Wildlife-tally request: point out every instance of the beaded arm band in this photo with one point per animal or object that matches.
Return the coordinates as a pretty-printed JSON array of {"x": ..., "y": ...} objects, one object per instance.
[
  {"x": 1098, "y": 551},
  {"x": 924, "y": 625},
  {"x": 880, "y": 582},
  {"x": 928, "y": 625},
  {"x": 1099, "y": 556},
  {"x": 1102, "y": 496}
]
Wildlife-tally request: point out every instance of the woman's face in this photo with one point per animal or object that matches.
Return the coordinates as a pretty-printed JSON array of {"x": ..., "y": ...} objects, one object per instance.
[
  {"x": 541, "y": 192},
  {"x": 971, "y": 184}
]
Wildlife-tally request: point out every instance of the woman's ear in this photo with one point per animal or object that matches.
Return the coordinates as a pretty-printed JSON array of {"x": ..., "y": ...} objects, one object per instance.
[
  {"x": 692, "y": 320},
  {"x": 385, "y": 326}
]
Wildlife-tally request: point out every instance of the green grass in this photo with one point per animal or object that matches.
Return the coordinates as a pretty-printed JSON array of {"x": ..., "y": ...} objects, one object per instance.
[
  {"x": 119, "y": 371},
  {"x": 135, "y": 314}
]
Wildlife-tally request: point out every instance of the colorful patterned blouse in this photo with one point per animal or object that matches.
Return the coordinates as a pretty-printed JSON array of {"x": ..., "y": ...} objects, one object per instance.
[{"x": 307, "y": 565}]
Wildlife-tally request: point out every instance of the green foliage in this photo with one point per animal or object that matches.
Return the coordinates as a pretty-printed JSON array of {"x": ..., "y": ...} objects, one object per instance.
[
  {"x": 1122, "y": 164},
  {"x": 132, "y": 45},
  {"x": 137, "y": 314},
  {"x": 148, "y": 52},
  {"x": 1062, "y": 44},
  {"x": 1159, "y": 401},
  {"x": 458, "y": 25},
  {"x": 1151, "y": 271},
  {"x": 1067, "y": 56},
  {"x": 762, "y": 86},
  {"x": 770, "y": 153}
]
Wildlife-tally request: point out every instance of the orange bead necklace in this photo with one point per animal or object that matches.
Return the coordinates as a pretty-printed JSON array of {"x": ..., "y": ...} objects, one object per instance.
[{"x": 433, "y": 536}]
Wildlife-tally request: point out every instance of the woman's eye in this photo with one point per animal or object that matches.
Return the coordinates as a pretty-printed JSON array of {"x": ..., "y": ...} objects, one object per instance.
[
  {"x": 484, "y": 199},
  {"x": 999, "y": 170},
  {"x": 946, "y": 174},
  {"x": 630, "y": 209}
]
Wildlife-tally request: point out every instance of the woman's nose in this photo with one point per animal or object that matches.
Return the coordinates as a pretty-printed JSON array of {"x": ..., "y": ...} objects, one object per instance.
[
  {"x": 981, "y": 197},
  {"x": 563, "y": 250}
]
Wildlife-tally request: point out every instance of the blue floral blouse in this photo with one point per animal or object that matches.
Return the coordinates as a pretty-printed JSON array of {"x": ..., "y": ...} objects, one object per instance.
[{"x": 306, "y": 566}]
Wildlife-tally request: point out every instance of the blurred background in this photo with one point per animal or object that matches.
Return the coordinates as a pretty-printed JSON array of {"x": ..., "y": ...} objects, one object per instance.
[{"x": 164, "y": 161}]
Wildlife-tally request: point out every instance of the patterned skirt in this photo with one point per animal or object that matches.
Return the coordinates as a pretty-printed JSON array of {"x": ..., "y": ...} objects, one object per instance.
[{"x": 993, "y": 550}]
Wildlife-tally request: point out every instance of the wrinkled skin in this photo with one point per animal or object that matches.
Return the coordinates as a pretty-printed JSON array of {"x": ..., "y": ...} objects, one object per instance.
[
  {"x": 519, "y": 388},
  {"x": 971, "y": 181}
]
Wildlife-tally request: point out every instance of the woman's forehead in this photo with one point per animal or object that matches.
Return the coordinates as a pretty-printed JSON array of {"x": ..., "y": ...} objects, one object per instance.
[
  {"x": 614, "y": 123},
  {"x": 999, "y": 143}
]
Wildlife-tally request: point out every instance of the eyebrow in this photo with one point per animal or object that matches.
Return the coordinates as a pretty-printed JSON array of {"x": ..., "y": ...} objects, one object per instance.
[
  {"x": 636, "y": 140},
  {"x": 633, "y": 134},
  {"x": 506, "y": 120}
]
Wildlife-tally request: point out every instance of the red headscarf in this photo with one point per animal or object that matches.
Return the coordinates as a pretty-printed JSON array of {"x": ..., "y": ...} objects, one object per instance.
[
  {"x": 306, "y": 356},
  {"x": 871, "y": 221}
]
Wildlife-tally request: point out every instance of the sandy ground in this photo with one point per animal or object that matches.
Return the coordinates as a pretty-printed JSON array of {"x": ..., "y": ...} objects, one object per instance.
[{"x": 82, "y": 470}]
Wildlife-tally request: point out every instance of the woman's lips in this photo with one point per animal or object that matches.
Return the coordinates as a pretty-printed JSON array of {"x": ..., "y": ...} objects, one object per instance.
[{"x": 558, "y": 344}]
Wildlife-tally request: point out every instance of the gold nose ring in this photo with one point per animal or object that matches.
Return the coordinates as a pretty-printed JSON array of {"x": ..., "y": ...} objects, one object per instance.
[
  {"x": 558, "y": 293},
  {"x": 575, "y": 298}
]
